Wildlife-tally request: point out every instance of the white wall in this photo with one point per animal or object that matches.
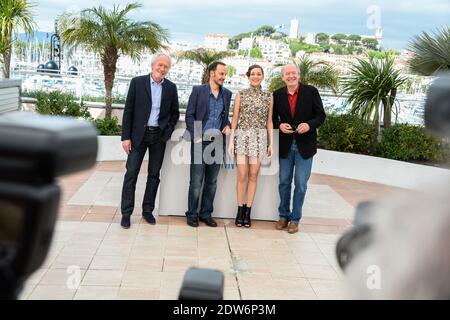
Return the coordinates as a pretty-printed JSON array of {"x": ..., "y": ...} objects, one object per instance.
[
  {"x": 366, "y": 168},
  {"x": 373, "y": 169},
  {"x": 9, "y": 95}
]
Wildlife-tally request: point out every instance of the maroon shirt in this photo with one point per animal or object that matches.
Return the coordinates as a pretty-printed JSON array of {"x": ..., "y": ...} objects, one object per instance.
[{"x": 293, "y": 99}]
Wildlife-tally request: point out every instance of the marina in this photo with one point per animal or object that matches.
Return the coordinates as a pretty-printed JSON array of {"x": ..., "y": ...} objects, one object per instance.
[{"x": 81, "y": 74}]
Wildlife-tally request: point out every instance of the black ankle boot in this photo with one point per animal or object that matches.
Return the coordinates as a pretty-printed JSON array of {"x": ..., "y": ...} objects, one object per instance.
[
  {"x": 239, "y": 222},
  {"x": 247, "y": 220}
]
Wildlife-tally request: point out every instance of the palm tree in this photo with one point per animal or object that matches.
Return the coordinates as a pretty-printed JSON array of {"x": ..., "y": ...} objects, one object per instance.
[
  {"x": 318, "y": 73},
  {"x": 204, "y": 57},
  {"x": 431, "y": 54},
  {"x": 14, "y": 14},
  {"x": 231, "y": 70},
  {"x": 373, "y": 82},
  {"x": 110, "y": 33}
]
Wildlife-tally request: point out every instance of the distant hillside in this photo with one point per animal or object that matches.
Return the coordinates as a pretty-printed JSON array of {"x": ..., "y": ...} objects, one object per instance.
[{"x": 261, "y": 31}]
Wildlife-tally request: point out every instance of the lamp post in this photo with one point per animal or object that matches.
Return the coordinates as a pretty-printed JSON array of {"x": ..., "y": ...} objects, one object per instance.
[
  {"x": 55, "y": 54},
  {"x": 55, "y": 48}
]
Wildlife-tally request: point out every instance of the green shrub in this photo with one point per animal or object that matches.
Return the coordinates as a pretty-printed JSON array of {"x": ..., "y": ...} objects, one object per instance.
[
  {"x": 115, "y": 99},
  {"x": 183, "y": 105},
  {"x": 30, "y": 94},
  {"x": 409, "y": 143},
  {"x": 119, "y": 99},
  {"x": 60, "y": 104},
  {"x": 347, "y": 133},
  {"x": 108, "y": 126},
  {"x": 445, "y": 149}
]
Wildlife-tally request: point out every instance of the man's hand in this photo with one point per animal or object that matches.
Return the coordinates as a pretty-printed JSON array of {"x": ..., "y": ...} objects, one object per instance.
[
  {"x": 269, "y": 151},
  {"x": 286, "y": 128},
  {"x": 302, "y": 128},
  {"x": 198, "y": 140},
  {"x": 126, "y": 145},
  {"x": 231, "y": 149},
  {"x": 226, "y": 130}
]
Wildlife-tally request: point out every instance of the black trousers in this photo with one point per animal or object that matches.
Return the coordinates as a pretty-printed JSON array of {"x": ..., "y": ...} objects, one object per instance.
[{"x": 156, "y": 147}]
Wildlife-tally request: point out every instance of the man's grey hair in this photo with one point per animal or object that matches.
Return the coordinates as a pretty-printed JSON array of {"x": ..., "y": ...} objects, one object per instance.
[
  {"x": 290, "y": 64},
  {"x": 157, "y": 55}
]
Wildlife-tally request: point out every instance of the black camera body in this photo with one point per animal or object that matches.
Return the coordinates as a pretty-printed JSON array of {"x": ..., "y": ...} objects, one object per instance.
[{"x": 34, "y": 150}]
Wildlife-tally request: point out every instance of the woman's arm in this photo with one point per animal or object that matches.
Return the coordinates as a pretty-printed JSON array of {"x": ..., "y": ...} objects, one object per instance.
[
  {"x": 270, "y": 125},
  {"x": 234, "y": 121}
]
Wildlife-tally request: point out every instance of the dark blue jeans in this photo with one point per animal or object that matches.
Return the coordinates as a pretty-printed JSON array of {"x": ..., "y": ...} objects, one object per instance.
[
  {"x": 206, "y": 175},
  {"x": 302, "y": 167},
  {"x": 156, "y": 147}
]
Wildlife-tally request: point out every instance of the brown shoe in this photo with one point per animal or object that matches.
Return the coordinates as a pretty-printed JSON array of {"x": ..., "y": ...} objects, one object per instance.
[
  {"x": 281, "y": 224},
  {"x": 293, "y": 227}
]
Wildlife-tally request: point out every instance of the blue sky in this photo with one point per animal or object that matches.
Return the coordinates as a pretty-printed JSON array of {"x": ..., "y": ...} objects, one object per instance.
[{"x": 189, "y": 21}]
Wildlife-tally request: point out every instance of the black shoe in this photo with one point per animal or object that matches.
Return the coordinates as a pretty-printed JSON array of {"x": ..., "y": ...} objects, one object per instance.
[
  {"x": 209, "y": 222},
  {"x": 192, "y": 221},
  {"x": 247, "y": 220},
  {"x": 125, "y": 222},
  {"x": 149, "y": 217},
  {"x": 239, "y": 222}
]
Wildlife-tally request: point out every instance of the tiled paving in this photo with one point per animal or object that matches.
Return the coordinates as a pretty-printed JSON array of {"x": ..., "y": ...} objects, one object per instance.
[{"x": 92, "y": 257}]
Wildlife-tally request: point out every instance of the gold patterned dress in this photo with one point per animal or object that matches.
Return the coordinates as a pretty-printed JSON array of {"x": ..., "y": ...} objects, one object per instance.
[{"x": 251, "y": 132}]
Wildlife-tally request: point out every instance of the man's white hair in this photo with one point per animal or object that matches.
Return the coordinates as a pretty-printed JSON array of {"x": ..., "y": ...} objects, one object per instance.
[
  {"x": 288, "y": 65},
  {"x": 157, "y": 55}
]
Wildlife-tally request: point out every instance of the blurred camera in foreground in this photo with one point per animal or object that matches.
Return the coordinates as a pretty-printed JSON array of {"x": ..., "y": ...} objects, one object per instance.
[
  {"x": 398, "y": 247},
  {"x": 34, "y": 150}
]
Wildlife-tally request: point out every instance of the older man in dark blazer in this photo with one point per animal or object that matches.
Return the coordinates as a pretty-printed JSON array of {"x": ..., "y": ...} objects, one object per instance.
[
  {"x": 150, "y": 116},
  {"x": 297, "y": 112},
  {"x": 207, "y": 122}
]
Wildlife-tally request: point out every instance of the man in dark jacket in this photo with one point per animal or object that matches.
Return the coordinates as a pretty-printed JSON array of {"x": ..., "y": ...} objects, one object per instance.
[
  {"x": 297, "y": 112},
  {"x": 206, "y": 123},
  {"x": 149, "y": 118}
]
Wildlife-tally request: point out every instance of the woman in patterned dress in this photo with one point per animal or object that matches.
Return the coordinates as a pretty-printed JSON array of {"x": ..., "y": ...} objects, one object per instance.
[{"x": 251, "y": 139}]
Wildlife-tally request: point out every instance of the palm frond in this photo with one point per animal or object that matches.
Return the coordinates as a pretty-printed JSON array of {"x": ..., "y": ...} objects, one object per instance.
[
  {"x": 14, "y": 15},
  {"x": 99, "y": 28},
  {"x": 317, "y": 73},
  {"x": 370, "y": 84},
  {"x": 111, "y": 33},
  {"x": 431, "y": 53},
  {"x": 204, "y": 57}
]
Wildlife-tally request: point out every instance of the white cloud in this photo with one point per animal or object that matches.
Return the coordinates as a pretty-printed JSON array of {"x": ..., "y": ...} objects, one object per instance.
[
  {"x": 399, "y": 19},
  {"x": 46, "y": 25},
  {"x": 440, "y": 7}
]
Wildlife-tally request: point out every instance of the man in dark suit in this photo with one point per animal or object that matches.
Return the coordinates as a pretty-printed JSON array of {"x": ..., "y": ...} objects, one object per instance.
[
  {"x": 150, "y": 116},
  {"x": 297, "y": 112},
  {"x": 206, "y": 123}
]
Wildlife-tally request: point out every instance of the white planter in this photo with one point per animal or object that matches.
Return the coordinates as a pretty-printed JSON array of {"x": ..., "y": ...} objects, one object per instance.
[
  {"x": 110, "y": 149},
  {"x": 173, "y": 191},
  {"x": 379, "y": 170},
  {"x": 346, "y": 165}
]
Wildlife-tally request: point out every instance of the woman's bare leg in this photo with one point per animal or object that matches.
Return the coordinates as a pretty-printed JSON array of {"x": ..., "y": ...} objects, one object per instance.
[
  {"x": 253, "y": 173},
  {"x": 242, "y": 179}
]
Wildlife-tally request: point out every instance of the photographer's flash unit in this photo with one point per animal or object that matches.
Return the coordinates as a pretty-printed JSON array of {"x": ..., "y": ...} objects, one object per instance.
[{"x": 34, "y": 150}]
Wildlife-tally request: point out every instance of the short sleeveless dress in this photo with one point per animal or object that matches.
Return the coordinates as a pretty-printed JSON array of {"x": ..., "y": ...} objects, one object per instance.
[{"x": 251, "y": 132}]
